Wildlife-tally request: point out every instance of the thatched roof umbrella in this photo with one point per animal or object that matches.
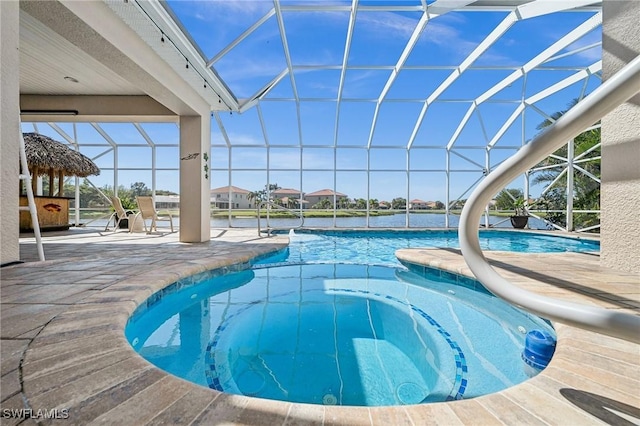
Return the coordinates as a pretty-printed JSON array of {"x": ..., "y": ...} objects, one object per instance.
[{"x": 46, "y": 156}]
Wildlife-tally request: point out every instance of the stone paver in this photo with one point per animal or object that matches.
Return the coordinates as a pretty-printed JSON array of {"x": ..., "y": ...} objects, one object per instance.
[{"x": 63, "y": 344}]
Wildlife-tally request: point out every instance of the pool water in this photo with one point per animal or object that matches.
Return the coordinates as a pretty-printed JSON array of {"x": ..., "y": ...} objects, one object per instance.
[
  {"x": 379, "y": 246},
  {"x": 336, "y": 334}
]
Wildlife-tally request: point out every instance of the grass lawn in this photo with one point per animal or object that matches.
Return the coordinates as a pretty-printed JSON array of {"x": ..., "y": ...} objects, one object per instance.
[{"x": 307, "y": 213}]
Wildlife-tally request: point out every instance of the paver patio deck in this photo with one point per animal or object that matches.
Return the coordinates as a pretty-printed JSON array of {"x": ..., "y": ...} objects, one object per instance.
[{"x": 63, "y": 344}]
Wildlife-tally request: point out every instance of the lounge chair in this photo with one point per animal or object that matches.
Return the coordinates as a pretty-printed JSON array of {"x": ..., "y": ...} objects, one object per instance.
[
  {"x": 119, "y": 213},
  {"x": 148, "y": 211}
]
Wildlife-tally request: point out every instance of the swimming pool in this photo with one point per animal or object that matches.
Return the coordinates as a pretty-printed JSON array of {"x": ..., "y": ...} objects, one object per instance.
[
  {"x": 379, "y": 246},
  {"x": 335, "y": 333}
]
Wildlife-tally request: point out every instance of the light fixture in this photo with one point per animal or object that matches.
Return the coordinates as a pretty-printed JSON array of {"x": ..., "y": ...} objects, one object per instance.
[
  {"x": 187, "y": 65},
  {"x": 71, "y": 79},
  {"x": 51, "y": 112}
]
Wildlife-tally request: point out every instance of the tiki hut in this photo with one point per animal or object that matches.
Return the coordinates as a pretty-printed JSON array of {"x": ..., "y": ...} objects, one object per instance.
[{"x": 47, "y": 157}]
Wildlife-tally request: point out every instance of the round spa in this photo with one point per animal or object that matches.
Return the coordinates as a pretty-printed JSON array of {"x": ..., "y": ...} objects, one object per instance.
[{"x": 336, "y": 334}]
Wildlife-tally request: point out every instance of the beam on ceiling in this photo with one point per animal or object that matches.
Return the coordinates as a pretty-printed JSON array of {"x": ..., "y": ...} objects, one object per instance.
[
  {"x": 437, "y": 8},
  {"x": 498, "y": 31},
  {"x": 241, "y": 37},
  {"x": 545, "y": 7},
  {"x": 105, "y": 135},
  {"x": 262, "y": 92},
  {"x": 343, "y": 69},
  {"x": 285, "y": 47},
  {"x": 574, "y": 52},
  {"x": 144, "y": 135},
  {"x": 223, "y": 130},
  {"x": 64, "y": 134},
  {"x": 263, "y": 127},
  {"x": 417, "y": 31},
  {"x": 584, "y": 28},
  {"x": 122, "y": 109},
  {"x": 566, "y": 82},
  {"x": 461, "y": 125},
  {"x": 524, "y": 11}
]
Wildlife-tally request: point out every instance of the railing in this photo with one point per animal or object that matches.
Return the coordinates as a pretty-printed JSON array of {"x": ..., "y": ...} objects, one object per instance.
[
  {"x": 272, "y": 205},
  {"x": 31, "y": 207},
  {"x": 612, "y": 93}
]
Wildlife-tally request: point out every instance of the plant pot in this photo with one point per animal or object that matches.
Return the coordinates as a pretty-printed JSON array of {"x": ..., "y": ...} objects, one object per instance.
[
  {"x": 124, "y": 223},
  {"x": 519, "y": 222}
]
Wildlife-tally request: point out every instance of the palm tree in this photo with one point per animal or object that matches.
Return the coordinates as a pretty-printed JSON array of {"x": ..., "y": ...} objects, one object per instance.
[
  {"x": 398, "y": 203},
  {"x": 264, "y": 194},
  {"x": 256, "y": 196},
  {"x": 505, "y": 200},
  {"x": 361, "y": 204},
  {"x": 323, "y": 204},
  {"x": 343, "y": 202},
  {"x": 552, "y": 173}
]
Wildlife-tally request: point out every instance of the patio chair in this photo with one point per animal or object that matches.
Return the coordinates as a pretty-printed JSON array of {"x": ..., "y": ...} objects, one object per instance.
[
  {"x": 119, "y": 213},
  {"x": 148, "y": 211}
]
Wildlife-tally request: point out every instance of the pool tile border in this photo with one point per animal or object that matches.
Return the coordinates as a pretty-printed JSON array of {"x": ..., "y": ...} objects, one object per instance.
[{"x": 185, "y": 283}]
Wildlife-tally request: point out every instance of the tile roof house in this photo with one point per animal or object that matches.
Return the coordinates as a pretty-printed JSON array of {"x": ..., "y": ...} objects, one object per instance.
[
  {"x": 239, "y": 198},
  {"x": 286, "y": 192},
  {"x": 323, "y": 194},
  {"x": 417, "y": 204}
]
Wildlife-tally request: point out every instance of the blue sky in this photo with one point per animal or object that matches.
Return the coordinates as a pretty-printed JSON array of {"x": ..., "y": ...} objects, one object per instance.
[{"x": 316, "y": 45}]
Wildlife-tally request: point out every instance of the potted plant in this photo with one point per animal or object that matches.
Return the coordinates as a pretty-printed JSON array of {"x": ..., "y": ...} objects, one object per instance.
[{"x": 520, "y": 218}]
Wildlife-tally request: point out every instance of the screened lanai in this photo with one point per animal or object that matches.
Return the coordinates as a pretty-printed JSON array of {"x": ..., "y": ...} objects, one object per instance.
[{"x": 379, "y": 106}]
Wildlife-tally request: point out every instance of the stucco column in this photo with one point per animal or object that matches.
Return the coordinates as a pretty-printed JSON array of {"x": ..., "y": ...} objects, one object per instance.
[
  {"x": 195, "y": 187},
  {"x": 620, "y": 187},
  {"x": 9, "y": 131}
]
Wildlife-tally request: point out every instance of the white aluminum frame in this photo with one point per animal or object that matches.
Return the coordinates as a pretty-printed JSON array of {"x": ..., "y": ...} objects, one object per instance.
[
  {"x": 615, "y": 91},
  {"x": 515, "y": 11}
]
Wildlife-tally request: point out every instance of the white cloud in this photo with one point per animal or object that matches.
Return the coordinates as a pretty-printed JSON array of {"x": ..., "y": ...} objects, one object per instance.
[
  {"x": 439, "y": 30},
  {"x": 592, "y": 54},
  {"x": 211, "y": 10},
  {"x": 243, "y": 67},
  {"x": 239, "y": 139},
  {"x": 388, "y": 23}
]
